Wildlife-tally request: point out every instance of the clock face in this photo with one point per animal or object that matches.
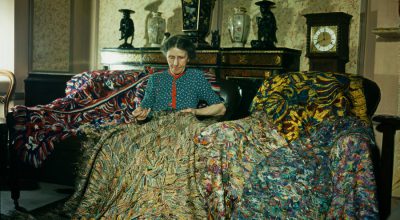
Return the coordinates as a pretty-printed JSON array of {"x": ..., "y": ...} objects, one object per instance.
[{"x": 323, "y": 39}]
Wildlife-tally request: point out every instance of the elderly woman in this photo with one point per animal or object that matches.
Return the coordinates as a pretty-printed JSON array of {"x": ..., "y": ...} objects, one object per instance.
[{"x": 179, "y": 88}]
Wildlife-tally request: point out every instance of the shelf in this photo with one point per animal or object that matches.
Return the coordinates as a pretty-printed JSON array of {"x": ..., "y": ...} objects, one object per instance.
[{"x": 393, "y": 32}]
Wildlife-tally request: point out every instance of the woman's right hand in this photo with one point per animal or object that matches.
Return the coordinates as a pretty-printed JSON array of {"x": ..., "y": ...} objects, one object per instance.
[{"x": 141, "y": 113}]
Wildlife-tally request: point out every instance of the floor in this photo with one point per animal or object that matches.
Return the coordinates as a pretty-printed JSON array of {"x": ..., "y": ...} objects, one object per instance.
[
  {"x": 395, "y": 215},
  {"x": 48, "y": 193}
]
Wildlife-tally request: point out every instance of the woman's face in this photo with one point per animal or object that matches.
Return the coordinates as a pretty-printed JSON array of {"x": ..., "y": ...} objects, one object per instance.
[{"x": 177, "y": 60}]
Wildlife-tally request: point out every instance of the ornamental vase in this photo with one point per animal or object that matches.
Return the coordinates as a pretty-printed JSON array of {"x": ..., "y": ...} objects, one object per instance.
[
  {"x": 197, "y": 16},
  {"x": 155, "y": 29},
  {"x": 239, "y": 26}
]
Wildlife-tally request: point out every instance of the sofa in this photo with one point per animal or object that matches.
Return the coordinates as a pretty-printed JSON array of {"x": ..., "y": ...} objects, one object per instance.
[{"x": 236, "y": 109}]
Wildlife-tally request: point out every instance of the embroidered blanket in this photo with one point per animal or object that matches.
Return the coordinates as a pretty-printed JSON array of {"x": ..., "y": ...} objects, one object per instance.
[
  {"x": 99, "y": 98},
  {"x": 241, "y": 169},
  {"x": 96, "y": 97}
]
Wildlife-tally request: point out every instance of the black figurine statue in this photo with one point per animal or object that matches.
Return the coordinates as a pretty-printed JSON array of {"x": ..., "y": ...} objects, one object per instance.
[
  {"x": 127, "y": 28},
  {"x": 266, "y": 27},
  {"x": 215, "y": 39}
]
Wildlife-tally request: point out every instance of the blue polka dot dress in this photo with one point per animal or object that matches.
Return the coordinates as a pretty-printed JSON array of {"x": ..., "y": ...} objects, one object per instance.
[{"x": 190, "y": 88}]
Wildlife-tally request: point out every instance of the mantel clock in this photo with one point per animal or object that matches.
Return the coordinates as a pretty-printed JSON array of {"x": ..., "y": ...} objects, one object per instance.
[{"x": 328, "y": 41}]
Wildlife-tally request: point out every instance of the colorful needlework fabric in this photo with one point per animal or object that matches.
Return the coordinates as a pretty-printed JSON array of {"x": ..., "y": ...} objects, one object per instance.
[
  {"x": 230, "y": 153},
  {"x": 252, "y": 173},
  {"x": 100, "y": 98},
  {"x": 96, "y": 97},
  {"x": 297, "y": 102},
  {"x": 157, "y": 171},
  {"x": 241, "y": 169},
  {"x": 144, "y": 171}
]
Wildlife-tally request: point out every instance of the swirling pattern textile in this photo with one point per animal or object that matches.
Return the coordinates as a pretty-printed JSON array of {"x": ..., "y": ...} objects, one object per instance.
[
  {"x": 241, "y": 169},
  {"x": 157, "y": 171},
  {"x": 297, "y": 102},
  {"x": 97, "y": 97},
  {"x": 140, "y": 171},
  {"x": 100, "y": 98}
]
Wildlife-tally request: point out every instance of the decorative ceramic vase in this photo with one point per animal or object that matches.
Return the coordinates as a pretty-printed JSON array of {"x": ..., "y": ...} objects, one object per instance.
[
  {"x": 197, "y": 20},
  {"x": 156, "y": 29},
  {"x": 239, "y": 26}
]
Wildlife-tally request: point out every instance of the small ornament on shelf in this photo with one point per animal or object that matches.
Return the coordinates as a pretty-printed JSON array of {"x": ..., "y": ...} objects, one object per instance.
[
  {"x": 127, "y": 28},
  {"x": 239, "y": 26},
  {"x": 156, "y": 29},
  {"x": 215, "y": 39},
  {"x": 266, "y": 27}
]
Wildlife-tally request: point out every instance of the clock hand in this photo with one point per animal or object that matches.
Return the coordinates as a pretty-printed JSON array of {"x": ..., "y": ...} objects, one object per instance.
[{"x": 322, "y": 39}]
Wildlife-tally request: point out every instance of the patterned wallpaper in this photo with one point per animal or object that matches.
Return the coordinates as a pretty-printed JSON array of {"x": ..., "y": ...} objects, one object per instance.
[
  {"x": 51, "y": 35},
  {"x": 291, "y": 31},
  {"x": 109, "y": 18},
  {"x": 396, "y": 167}
]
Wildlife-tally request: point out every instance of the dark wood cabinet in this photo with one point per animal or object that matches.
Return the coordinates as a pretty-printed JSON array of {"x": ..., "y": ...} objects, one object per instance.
[
  {"x": 228, "y": 62},
  {"x": 327, "y": 64},
  {"x": 42, "y": 88}
]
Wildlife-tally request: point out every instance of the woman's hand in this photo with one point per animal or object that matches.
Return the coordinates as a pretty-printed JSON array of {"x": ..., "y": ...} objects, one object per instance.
[
  {"x": 212, "y": 110},
  {"x": 141, "y": 113},
  {"x": 189, "y": 110}
]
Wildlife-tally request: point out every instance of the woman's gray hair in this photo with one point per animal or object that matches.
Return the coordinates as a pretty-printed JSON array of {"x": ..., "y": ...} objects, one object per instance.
[{"x": 181, "y": 42}]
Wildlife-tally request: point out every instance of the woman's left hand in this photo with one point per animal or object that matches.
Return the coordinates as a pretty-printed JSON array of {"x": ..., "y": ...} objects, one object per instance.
[
  {"x": 140, "y": 113},
  {"x": 212, "y": 110}
]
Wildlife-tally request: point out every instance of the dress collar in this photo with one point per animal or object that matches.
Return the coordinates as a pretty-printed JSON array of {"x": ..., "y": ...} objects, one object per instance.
[{"x": 176, "y": 76}]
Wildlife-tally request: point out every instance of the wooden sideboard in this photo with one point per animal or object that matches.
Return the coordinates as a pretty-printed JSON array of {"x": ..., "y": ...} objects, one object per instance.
[
  {"x": 43, "y": 87},
  {"x": 228, "y": 62}
]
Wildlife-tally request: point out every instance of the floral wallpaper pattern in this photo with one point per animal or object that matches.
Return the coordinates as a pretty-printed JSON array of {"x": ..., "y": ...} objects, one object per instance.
[{"x": 51, "y": 35}]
